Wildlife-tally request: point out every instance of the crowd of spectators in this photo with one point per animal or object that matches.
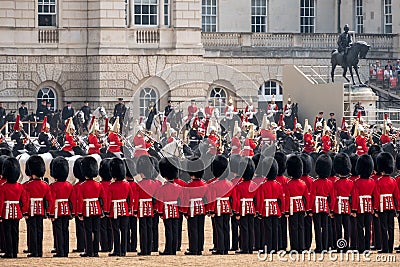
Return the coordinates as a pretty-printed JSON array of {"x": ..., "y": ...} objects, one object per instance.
[{"x": 387, "y": 75}]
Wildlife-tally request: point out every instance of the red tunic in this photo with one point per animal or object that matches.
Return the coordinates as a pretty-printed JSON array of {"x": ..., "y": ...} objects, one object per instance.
[
  {"x": 282, "y": 180},
  {"x": 267, "y": 136},
  {"x": 247, "y": 111},
  {"x": 362, "y": 195},
  {"x": 180, "y": 182},
  {"x": 243, "y": 198},
  {"x": 140, "y": 145},
  {"x": 343, "y": 188},
  {"x": 322, "y": 196},
  {"x": 61, "y": 193},
  {"x": 94, "y": 146},
  {"x": 308, "y": 143},
  {"x": 220, "y": 194},
  {"x": 270, "y": 199},
  {"x": 326, "y": 143},
  {"x": 170, "y": 140},
  {"x": 38, "y": 192},
  {"x": 74, "y": 197},
  {"x": 236, "y": 146},
  {"x": 361, "y": 145},
  {"x": 386, "y": 195},
  {"x": 89, "y": 194},
  {"x": 115, "y": 143},
  {"x": 11, "y": 197},
  {"x": 191, "y": 111},
  {"x": 69, "y": 142},
  {"x": 213, "y": 144},
  {"x": 168, "y": 197},
  {"x": 208, "y": 111},
  {"x": 135, "y": 201},
  {"x": 248, "y": 148},
  {"x": 354, "y": 178},
  {"x": 119, "y": 199},
  {"x": 147, "y": 189},
  {"x": 106, "y": 188},
  {"x": 385, "y": 139},
  {"x": 296, "y": 193},
  {"x": 193, "y": 198}
]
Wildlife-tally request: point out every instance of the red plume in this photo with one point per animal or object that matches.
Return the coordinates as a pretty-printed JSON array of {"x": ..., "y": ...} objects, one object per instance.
[
  {"x": 44, "y": 123},
  {"x": 280, "y": 122},
  {"x": 294, "y": 123},
  {"x": 92, "y": 121},
  {"x": 343, "y": 123},
  {"x": 359, "y": 116},
  {"x": 66, "y": 125},
  {"x": 16, "y": 125},
  {"x": 106, "y": 126},
  {"x": 386, "y": 116}
]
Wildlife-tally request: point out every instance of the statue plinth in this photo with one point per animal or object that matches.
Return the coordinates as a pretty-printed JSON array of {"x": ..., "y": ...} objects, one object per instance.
[{"x": 360, "y": 93}]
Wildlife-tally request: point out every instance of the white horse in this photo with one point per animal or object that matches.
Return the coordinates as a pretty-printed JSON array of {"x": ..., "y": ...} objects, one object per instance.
[
  {"x": 100, "y": 114},
  {"x": 173, "y": 149}
]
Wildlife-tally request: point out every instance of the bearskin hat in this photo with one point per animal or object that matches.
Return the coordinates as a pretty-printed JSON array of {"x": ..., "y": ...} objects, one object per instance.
[
  {"x": 257, "y": 158},
  {"x": 6, "y": 152},
  {"x": 156, "y": 168},
  {"x": 168, "y": 168},
  {"x": 130, "y": 168},
  {"x": 307, "y": 163},
  {"x": 398, "y": 161},
  {"x": 385, "y": 163},
  {"x": 219, "y": 166},
  {"x": 294, "y": 166},
  {"x": 246, "y": 169},
  {"x": 145, "y": 166},
  {"x": 342, "y": 164},
  {"x": 35, "y": 166},
  {"x": 11, "y": 170},
  {"x": 234, "y": 161},
  {"x": 59, "y": 169},
  {"x": 353, "y": 159},
  {"x": 89, "y": 167},
  {"x": 323, "y": 166},
  {"x": 118, "y": 169},
  {"x": 365, "y": 166},
  {"x": 195, "y": 167},
  {"x": 374, "y": 156},
  {"x": 77, "y": 170},
  {"x": 374, "y": 149},
  {"x": 270, "y": 168},
  {"x": 104, "y": 170},
  {"x": 2, "y": 159},
  {"x": 281, "y": 160}
]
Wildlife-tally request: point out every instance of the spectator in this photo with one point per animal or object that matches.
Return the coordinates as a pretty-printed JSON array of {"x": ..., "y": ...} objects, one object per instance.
[
  {"x": 358, "y": 107},
  {"x": 390, "y": 65},
  {"x": 388, "y": 73}
]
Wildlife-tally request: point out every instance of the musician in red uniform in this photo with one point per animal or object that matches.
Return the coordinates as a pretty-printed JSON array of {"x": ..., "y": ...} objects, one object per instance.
[
  {"x": 91, "y": 201},
  {"x": 213, "y": 141},
  {"x": 168, "y": 196},
  {"x": 114, "y": 139},
  {"x": 322, "y": 201},
  {"x": 243, "y": 206},
  {"x": 249, "y": 145},
  {"x": 385, "y": 137},
  {"x": 40, "y": 198},
  {"x": 60, "y": 212},
  {"x": 266, "y": 134},
  {"x": 119, "y": 202},
  {"x": 132, "y": 233},
  {"x": 270, "y": 201},
  {"x": 326, "y": 140},
  {"x": 93, "y": 138},
  {"x": 362, "y": 206},
  {"x": 79, "y": 228},
  {"x": 343, "y": 188},
  {"x": 106, "y": 229},
  {"x": 361, "y": 142},
  {"x": 69, "y": 143},
  {"x": 146, "y": 192},
  {"x": 280, "y": 178},
  {"x": 139, "y": 143},
  {"x": 14, "y": 202},
  {"x": 309, "y": 144},
  {"x": 236, "y": 145},
  {"x": 296, "y": 199},
  {"x": 386, "y": 200},
  {"x": 307, "y": 167}
]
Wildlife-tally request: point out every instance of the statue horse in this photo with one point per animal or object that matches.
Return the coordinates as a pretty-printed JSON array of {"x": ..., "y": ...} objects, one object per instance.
[{"x": 357, "y": 51}]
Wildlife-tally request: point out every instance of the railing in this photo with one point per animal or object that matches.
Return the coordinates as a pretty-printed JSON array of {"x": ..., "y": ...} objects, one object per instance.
[
  {"x": 147, "y": 36},
  {"x": 376, "y": 116},
  {"x": 48, "y": 36},
  {"x": 271, "y": 40},
  {"x": 221, "y": 39},
  {"x": 9, "y": 125}
]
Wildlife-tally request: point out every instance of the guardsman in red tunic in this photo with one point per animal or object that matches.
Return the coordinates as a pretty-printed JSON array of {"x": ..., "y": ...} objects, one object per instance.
[
  {"x": 270, "y": 200},
  {"x": 267, "y": 137},
  {"x": 309, "y": 144},
  {"x": 326, "y": 140},
  {"x": 386, "y": 200},
  {"x": 168, "y": 198},
  {"x": 60, "y": 210},
  {"x": 93, "y": 138},
  {"x": 249, "y": 111},
  {"x": 213, "y": 141},
  {"x": 343, "y": 188},
  {"x": 258, "y": 179},
  {"x": 236, "y": 146},
  {"x": 14, "y": 202},
  {"x": 69, "y": 143},
  {"x": 322, "y": 201},
  {"x": 362, "y": 205},
  {"x": 40, "y": 198},
  {"x": 361, "y": 142},
  {"x": 307, "y": 167},
  {"x": 119, "y": 202},
  {"x": 3, "y": 180},
  {"x": 114, "y": 140},
  {"x": 139, "y": 143},
  {"x": 234, "y": 161},
  {"x": 296, "y": 199},
  {"x": 148, "y": 186},
  {"x": 249, "y": 145},
  {"x": 192, "y": 110},
  {"x": 106, "y": 229},
  {"x": 132, "y": 233},
  {"x": 91, "y": 201},
  {"x": 243, "y": 206}
]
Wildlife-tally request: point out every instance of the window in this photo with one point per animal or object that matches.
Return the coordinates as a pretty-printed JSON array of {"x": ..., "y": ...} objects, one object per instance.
[
  {"x": 49, "y": 95},
  {"x": 127, "y": 13},
  {"x": 47, "y": 14},
  {"x": 388, "y": 16},
  {"x": 166, "y": 12},
  {"x": 148, "y": 97},
  {"x": 218, "y": 97},
  {"x": 209, "y": 15},
  {"x": 266, "y": 91},
  {"x": 359, "y": 16},
  {"x": 258, "y": 15},
  {"x": 146, "y": 12},
  {"x": 307, "y": 16}
]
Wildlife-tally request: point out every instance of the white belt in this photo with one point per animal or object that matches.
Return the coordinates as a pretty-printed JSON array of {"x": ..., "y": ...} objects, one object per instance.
[
  {"x": 87, "y": 202},
  {"x": 91, "y": 146},
  {"x": 33, "y": 200},
  {"x": 8, "y": 204},
  {"x": 340, "y": 203},
  {"x": 381, "y": 198},
  {"x": 219, "y": 200},
  {"x": 292, "y": 199},
  {"x": 192, "y": 201},
  {"x": 115, "y": 206},
  {"x": 246, "y": 147},
  {"x": 141, "y": 201},
  {"x": 56, "y": 208},
  {"x": 267, "y": 202},
  {"x": 166, "y": 204},
  {"x": 243, "y": 201},
  {"x": 359, "y": 147},
  {"x": 361, "y": 201},
  {"x": 317, "y": 199}
]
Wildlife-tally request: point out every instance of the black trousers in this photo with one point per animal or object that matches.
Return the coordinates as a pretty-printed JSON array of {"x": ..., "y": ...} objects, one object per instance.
[
  {"x": 258, "y": 234},
  {"x": 271, "y": 225},
  {"x": 321, "y": 231},
  {"x": 353, "y": 233},
  {"x": 235, "y": 233},
  {"x": 307, "y": 232},
  {"x": 331, "y": 233},
  {"x": 132, "y": 234},
  {"x": 179, "y": 242},
  {"x": 35, "y": 228},
  {"x": 283, "y": 233},
  {"x": 342, "y": 222},
  {"x": 376, "y": 233},
  {"x": 11, "y": 235},
  {"x": 146, "y": 234},
  {"x": 196, "y": 233},
  {"x": 2, "y": 240},
  {"x": 106, "y": 234},
  {"x": 80, "y": 235},
  {"x": 364, "y": 231},
  {"x": 387, "y": 227},
  {"x": 120, "y": 228},
  {"x": 154, "y": 242},
  {"x": 296, "y": 231},
  {"x": 222, "y": 232},
  {"x": 61, "y": 235},
  {"x": 92, "y": 233},
  {"x": 171, "y": 235},
  {"x": 247, "y": 232}
]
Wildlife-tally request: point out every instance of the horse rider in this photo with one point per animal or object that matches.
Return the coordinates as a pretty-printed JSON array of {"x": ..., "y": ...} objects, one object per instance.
[
  {"x": 194, "y": 135},
  {"x": 114, "y": 140},
  {"x": 140, "y": 144},
  {"x": 249, "y": 145},
  {"x": 46, "y": 140},
  {"x": 70, "y": 141},
  {"x": 213, "y": 141},
  {"x": 230, "y": 111},
  {"x": 172, "y": 135},
  {"x": 151, "y": 112},
  {"x": 344, "y": 42},
  {"x": 86, "y": 114},
  {"x": 95, "y": 143},
  {"x": 309, "y": 144},
  {"x": 120, "y": 111},
  {"x": 19, "y": 137},
  {"x": 272, "y": 110},
  {"x": 287, "y": 110},
  {"x": 266, "y": 134},
  {"x": 236, "y": 146},
  {"x": 67, "y": 112},
  {"x": 250, "y": 111},
  {"x": 208, "y": 112}
]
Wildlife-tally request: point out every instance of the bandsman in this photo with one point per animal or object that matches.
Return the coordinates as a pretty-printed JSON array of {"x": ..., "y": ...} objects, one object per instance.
[{"x": 114, "y": 139}]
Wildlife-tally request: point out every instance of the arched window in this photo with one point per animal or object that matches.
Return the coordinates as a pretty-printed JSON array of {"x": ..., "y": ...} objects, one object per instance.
[
  {"x": 49, "y": 95},
  {"x": 266, "y": 91},
  {"x": 147, "y": 96},
  {"x": 218, "y": 97}
]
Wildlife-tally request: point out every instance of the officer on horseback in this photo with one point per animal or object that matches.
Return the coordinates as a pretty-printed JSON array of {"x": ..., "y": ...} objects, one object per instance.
[
  {"x": 86, "y": 114},
  {"x": 68, "y": 111},
  {"x": 119, "y": 111},
  {"x": 344, "y": 42}
]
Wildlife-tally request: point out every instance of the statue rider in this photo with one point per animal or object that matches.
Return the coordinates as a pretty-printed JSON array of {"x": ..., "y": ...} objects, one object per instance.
[{"x": 344, "y": 42}]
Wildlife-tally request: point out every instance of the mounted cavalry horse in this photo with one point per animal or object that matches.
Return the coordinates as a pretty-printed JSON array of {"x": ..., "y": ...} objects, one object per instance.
[{"x": 357, "y": 51}]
